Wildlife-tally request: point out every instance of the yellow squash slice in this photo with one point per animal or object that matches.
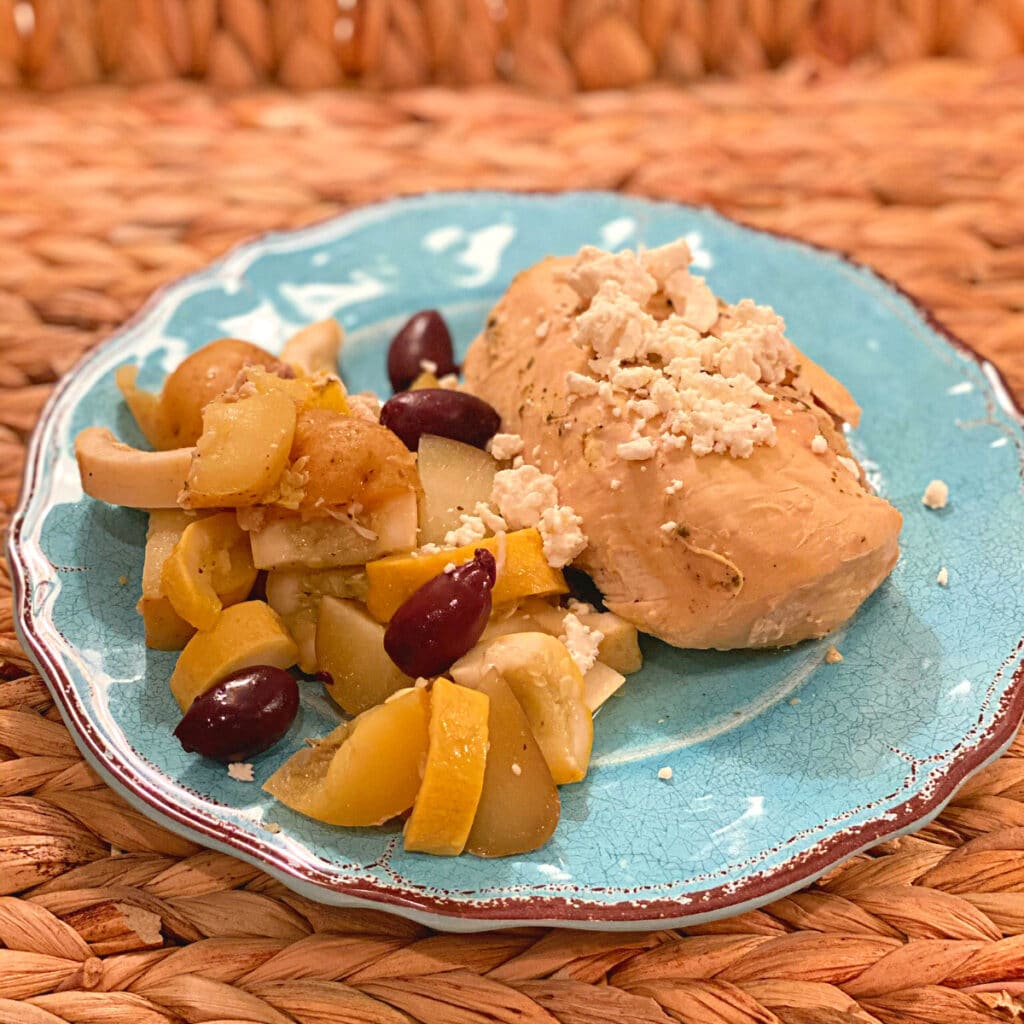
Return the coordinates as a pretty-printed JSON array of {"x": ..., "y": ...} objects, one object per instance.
[
  {"x": 246, "y": 634},
  {"x": 453, "y": 778},
  {"x": 525, "y": 572},
  {"x": 209, "y": 569},
  {"x": 365, "y": 772}
]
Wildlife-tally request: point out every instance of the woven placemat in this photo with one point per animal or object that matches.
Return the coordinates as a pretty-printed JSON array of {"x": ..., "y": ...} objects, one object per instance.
[{"x": 105, "y": 194}]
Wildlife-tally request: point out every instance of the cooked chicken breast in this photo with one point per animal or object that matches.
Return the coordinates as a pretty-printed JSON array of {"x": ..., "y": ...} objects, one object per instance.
[{"x": 769, "y": 538}]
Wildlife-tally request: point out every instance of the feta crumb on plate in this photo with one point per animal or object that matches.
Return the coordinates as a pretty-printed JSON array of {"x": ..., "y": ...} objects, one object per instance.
[
  {"x": 665, "y": 774},
  {"x": 832, "y": 656},
  {"x": 936, "y": 495},
  {"x": 241, "y": 772},
  {"x": 943, "y": 578}
]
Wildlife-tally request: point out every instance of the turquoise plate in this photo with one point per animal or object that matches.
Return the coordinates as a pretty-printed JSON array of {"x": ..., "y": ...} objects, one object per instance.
[{"x": 782, "y": 764}]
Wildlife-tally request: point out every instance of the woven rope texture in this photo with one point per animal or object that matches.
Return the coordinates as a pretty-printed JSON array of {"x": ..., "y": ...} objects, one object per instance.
[
  {"x": 104, "y": 194},
  {"x": 555, "y": 46}
]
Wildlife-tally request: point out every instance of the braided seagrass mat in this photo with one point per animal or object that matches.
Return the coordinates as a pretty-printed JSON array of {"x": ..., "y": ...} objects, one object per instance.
[{"x": 104, "y": 194}]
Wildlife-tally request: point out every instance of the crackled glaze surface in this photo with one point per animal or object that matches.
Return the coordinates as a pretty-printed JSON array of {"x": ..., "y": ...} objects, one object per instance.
[{"x": 781, "y": 764}]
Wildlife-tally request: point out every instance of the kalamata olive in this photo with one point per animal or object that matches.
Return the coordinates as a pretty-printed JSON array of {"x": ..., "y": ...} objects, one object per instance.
[
  {"x": 424, "y": 338},
  {"x": 454, "y": 414},
  {"x": 246, "y": 713},
  {"x": 442, "y": 620}
]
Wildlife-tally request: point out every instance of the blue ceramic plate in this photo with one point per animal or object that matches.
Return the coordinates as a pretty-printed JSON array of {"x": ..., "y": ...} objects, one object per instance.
[{"x": 783, "y": 765}]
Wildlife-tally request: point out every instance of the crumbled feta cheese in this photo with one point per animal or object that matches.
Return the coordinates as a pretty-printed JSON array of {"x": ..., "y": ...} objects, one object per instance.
[
  {"x": 674, "y": 487},
  {"x": 637, "y": 450},
  {"x": 819, "y": 445},
  {"x": 425, "y": 549},
  {"x": 943, "y": 578},
  {"x": 270, "y": 826},
  {"x": 562, "y": 533},
  {"x": 421, "y": 683},
  {"x": 708, "y": 387},
  {"x": 241, "y": 772},
  {"x": 449, "y": 568},
  {"x": 664, "y": 260},
  {"x": 580, "y": 384},
  {"x": 849, "y": 465},
  {"x": 364, "y": 406},
  {"x": 665, "y": 774},
  {"x": 832, "y": 656},
  {"x": 472, "y": 529},
  {"x": 505, "y": 446},
  {"x": 936, "y": 494},
  {"x": 542, "y": 329},
  {"x": 494, "y": 522},
  {"x": 614, "y": 484},
  {"x": 450, "y": 382},
  {"x": 428, "y": 366},
  {"x": 524, "y": 497},
  {"x": 522, "y": 494},
  {"x": 516, "y": 769},
  {"x": 692, "y": 300},
  {"x": 581, "y": 641},
  {"x": 594, "y": 267},
  {"x": 669, "y": 527}
]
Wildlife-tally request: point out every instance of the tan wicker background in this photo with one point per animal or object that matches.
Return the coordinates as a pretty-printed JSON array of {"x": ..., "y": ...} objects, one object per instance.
[
  {"x": 106, "y": 193},
  {"x": 553, "y": 45}
]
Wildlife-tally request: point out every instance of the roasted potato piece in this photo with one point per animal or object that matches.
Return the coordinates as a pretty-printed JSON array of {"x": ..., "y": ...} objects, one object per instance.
[
  {"x": 201, "y": 378},
  {"x": 350, "y": 649},
  {"x": 350, "y": 461},
  {"x": 242, "y": 451},
  {"x": 455, "y": 477},
  {"x": 519, "y": 805}
]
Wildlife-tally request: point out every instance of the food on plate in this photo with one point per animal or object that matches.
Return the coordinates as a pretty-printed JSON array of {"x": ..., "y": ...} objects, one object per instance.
[
  {"x": 423, "y": 345},
  {"x": 358, "y": 672},
  {"x": 548, "y": 684},
  {"x": 519, "y": 804},
  {"x": 208, "y": 569},
  {"x": 414, "y": 559},
  {"x": 453, "y": 773},
  {"x": 239, "y": 717},
  {"x": 441, "y": 413},
  {"x": 624, "y": 375},
  {"x": 244, "y": 635},
  {"x": 367, "y": 771},
  {"x": 440, "y": 621}
]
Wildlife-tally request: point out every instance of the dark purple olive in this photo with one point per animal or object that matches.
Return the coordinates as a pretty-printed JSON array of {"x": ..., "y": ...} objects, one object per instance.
[
  {"x": 442, "y": 620},
  {"x": 246, "y": 713},
  {"x": 424, "y": 337},
  {"x": 454, "y": 414}
]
